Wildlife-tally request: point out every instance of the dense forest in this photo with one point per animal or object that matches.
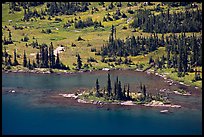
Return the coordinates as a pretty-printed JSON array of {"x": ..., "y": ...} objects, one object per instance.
[
  {"x": 52, "y": 8},
  {"x": 166, "y": 22}
]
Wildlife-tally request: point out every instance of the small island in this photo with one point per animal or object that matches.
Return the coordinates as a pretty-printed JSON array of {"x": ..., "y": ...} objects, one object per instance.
[{"x": 120, "y": 96}]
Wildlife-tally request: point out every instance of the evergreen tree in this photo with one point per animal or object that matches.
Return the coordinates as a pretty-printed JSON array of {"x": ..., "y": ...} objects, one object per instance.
[
  {"x": 151, "y": 60},
  {"x": 128, "y": 92},
  {"x": 109, "y": 85},
  {"x": 168, "y": 58},
  {"x": 42, "y": 56},
  {"x": 46, "y": 58},
  {"x": 124, "y": 92},
  {"x": 38, "y": 59},
  {"x": 34, "y": 64},
  {"x": 120, "y": 94},
  {"x": 9, "y": 61},
  {"x": 115, "y": 89},
  {"x": 57, "y": 64},
  {"x": 141, "y": 89},
  {"x": 144, "y": 91},
  {"x": 51, "y": 56},
  {"x": 24, "y": 60},
  {"x": 79, "y": 62},
  {"x": 15, "y": 62},
  {"x": 29, "y": 65},
  {"x": 10, "y": 37},
  {"x": 180, "y": 70},
  {"x": 97, "y": 88},
  {"x": 6, "y": 56}
]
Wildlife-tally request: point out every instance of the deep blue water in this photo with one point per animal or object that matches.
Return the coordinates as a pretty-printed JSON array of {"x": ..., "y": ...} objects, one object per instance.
[{"x": 20, "y": 116}]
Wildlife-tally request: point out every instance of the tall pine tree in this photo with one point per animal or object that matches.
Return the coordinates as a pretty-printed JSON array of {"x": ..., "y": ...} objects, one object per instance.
[
  {"x": 24, "y": 60},
  {"x": 97, "y": 88},
  {"x": 109, "y": 86},
  {"x": 15, "y": 62},
  {"x": 79, "y": 62}
]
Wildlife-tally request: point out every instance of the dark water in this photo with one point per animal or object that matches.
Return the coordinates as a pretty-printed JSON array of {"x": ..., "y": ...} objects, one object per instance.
[{"x": 20, "y": 116}]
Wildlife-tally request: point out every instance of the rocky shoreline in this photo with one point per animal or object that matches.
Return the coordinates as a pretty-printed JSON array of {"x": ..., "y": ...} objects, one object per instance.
[{"x": 153, "y": 103}]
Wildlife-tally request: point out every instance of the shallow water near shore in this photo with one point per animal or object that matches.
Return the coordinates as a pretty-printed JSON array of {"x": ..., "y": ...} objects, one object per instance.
[{"x": 21, "y": 116}]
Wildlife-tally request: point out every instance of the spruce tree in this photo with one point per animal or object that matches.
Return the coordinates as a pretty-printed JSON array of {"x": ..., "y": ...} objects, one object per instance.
[
  {"x": 79, "y": 62},
  {"x": 51, "y": 56},
  {"x": 9, "y": 61},
  {"x": 57, "y": 64},
  {"x": 15, "y": 62},
  {"x": 46, "y": 57},
  {"x": 141, "y": 89},
  {"x": 168, "y": 58},
  {"x": 124, "y": 92},
  {"x": 24, "y": 60},
  {"x": 120, "y": 97},
  {"x": 97, "y": 88},
  {"x": 144, "y": 91},
  {"x": 34, "y": 64},
  {"x": 6, "y": 56},
  {"x": 29, "y": 65},
  {"x": 115, "y": 89},
  {"x": 42, "y": 56},
  {"x": 109, "y": 86},
  {"x": 38, "y": 60},
  {"x": 128, "y": 92},
  {"x": 10, "y": 37}
]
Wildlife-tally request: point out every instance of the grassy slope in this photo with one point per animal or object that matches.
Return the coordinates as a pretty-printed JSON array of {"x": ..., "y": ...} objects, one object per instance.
[{"x": 68, "y": 36}]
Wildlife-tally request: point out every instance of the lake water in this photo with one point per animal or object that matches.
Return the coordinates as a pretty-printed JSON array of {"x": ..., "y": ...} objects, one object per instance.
[{"x": 20, "y": 116}]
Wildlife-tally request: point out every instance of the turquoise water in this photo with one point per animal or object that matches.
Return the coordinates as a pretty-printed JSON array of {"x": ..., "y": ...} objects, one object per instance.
[{"x": 20, "y": 116}]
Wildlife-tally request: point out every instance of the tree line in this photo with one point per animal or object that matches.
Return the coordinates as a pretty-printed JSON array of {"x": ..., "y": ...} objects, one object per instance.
[
  {"x": 44, "y": 59},
  {"x": 165, "y": 22},
  {"x": 54, "y": 9},
  {"x": 131, "y": 46}
]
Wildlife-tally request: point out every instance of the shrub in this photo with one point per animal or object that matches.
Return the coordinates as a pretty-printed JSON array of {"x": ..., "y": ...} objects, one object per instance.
[
  {"x": 73, "y": 45},
  {"x": 58, "y": 19},
  {"x": 79, "y": 38},
  {"x": 93, "y": 49},
  {"x": 47, "y": 31},
  {"x": 116, "y": 17},
  {"x": 130, "y": 11},
  {"x": 25, "y": 38},
  {"x": 124, "y": 27},
  {"x": 89, "y": 45},
  {"x": 124, "y": 16},
  {"x": 91, "y": 59}
]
